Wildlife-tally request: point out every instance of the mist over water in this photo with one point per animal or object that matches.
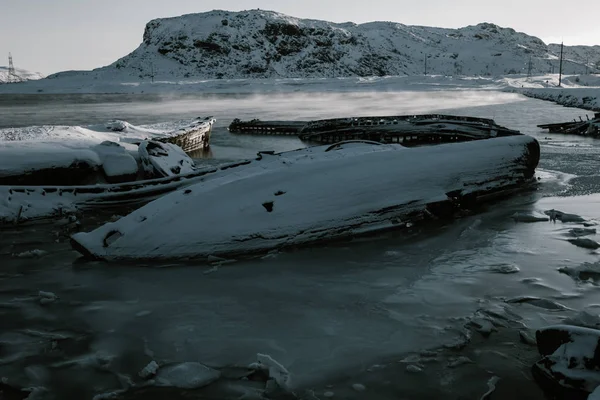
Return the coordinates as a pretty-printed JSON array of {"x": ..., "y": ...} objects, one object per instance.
[
  {"x": 28, "y": 110},
  {"x": 321, "y": 312}
]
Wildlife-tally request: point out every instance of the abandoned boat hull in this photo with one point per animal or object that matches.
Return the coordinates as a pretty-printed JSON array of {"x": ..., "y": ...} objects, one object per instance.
[
  {"x": 193, "y": 137},
  {"x": 409, "y": 130},
  {"x": 589, "y": 127},
  {"x": 313, "y": 195}
]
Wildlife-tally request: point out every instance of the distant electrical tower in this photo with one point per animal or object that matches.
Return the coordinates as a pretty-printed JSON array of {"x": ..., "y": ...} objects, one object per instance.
[{"x": 11, "y": 68}]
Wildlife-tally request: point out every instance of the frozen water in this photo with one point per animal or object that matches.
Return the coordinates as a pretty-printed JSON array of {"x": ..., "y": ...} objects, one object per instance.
[{"x": 319, "y": 312}]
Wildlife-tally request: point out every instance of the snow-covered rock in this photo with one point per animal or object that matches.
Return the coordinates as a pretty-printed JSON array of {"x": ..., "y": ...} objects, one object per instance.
[{"x": 310, "y": 195}]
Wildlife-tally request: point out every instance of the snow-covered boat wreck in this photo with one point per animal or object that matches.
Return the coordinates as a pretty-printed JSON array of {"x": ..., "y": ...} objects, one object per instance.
[
  {"x": 589, "y": 127},
  {"x": 314, "y": 195},
  {"x": 409, "y": 130},
  {"x": 42, "y": 179}
]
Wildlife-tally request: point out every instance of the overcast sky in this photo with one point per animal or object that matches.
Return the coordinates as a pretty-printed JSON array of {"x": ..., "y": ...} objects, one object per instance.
[{"x": 56, "y": 35}]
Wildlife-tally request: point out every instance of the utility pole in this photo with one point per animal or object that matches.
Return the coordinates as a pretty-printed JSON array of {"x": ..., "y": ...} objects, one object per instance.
[
  {"x": 529, "y": 68},
  {"x": 425, "y": 64},
  {"x": 152, "y": 69},
  {"x": 560, "y": 67},
  {"x": 587, "y": 61}
]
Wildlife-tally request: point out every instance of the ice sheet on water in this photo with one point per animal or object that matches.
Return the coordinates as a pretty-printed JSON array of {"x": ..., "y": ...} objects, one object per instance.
[
  {"x": 530, "y": 216},
  {"x": 586, "y": 243},
  {"x": 186, "y": 375},
  {"x": 583, "y": 272}
]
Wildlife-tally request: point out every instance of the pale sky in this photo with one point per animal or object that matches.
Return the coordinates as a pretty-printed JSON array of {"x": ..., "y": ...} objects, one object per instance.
[{"x": 55, "y": 35}]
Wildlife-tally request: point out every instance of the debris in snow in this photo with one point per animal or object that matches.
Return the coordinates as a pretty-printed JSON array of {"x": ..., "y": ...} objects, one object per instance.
[
  {"x": 187, "y": 375},
  {"x": 47, "y": 297},
  {"x": 31, "y": 254},
  {"x": 359, "y": 387},
  {"x": 149, "y": 370}
]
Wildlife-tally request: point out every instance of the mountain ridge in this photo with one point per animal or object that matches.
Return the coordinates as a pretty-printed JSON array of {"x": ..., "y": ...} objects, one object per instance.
[{"x": 268, "y": 44}]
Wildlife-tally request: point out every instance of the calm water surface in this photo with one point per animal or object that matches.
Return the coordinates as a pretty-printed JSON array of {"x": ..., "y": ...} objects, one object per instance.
[{"x": 334, "y": 315}]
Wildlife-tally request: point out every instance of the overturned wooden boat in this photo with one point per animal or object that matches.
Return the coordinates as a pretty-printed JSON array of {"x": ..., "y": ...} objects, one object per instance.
[
  {"x": 409, "y": 130},
  {"x": 314, "y": 195},
  {"x": 587, "y": 127}
]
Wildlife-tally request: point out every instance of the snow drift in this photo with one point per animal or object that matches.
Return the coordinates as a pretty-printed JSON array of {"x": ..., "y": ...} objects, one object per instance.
[{"x": 313, "y": 195}]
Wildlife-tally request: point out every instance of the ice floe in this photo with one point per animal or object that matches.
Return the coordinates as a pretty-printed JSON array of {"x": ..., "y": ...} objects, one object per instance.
[
  {"x": 186, "y": 375},
  {"x": 532, "y": 216}
]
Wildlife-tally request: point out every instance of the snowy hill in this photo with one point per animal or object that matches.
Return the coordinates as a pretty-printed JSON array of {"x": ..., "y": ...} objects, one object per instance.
[
  {"x": 21, "y": 75},
  {"x": 584, "y": 55},
  {"x": 266, "y": 44}
]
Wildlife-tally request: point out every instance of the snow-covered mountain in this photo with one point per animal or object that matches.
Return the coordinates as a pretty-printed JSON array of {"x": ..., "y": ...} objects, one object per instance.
[
  {"x": 20, "y": 75},
  {"x": 266, "y": 44}
]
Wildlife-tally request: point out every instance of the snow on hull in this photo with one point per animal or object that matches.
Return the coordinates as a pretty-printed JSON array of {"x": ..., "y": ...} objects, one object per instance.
[
  {"x": 312, "y": 195},
  {"x": 164, "y": 159},
  {"x": 188, "y": 134},
  {"x": 30, "y": 203},
  {"x": 37, "y": 163}
]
